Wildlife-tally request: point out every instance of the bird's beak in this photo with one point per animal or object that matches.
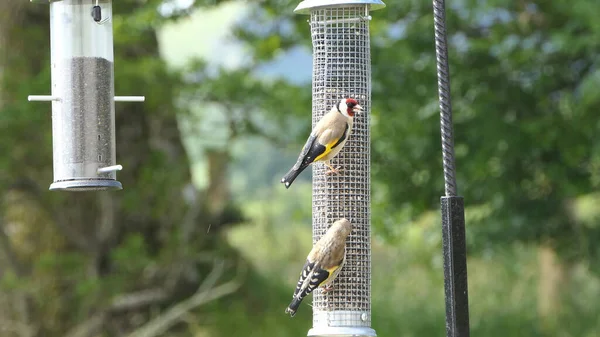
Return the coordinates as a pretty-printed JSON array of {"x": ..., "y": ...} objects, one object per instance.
[{"x": 357, "y": 109}]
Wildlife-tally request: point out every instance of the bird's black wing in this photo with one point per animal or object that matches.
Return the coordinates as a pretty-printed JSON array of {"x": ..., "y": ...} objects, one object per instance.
[
  {"x": 309, "y": 152},
  {"x": 313, "y": 150},
  {"x": 317, "y": 277}
]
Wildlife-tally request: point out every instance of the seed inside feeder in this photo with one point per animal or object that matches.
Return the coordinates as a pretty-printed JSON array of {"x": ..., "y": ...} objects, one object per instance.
[{"x": 87, "y": 110}]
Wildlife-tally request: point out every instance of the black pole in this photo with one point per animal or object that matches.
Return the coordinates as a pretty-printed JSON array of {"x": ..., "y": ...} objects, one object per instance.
[
  {"x": 452, "y": 206},
  {"x": 455, "y": 267}
]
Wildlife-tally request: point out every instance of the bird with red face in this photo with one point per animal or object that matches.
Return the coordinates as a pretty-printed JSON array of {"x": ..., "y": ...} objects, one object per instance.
[{"x": 326, "y": 140}]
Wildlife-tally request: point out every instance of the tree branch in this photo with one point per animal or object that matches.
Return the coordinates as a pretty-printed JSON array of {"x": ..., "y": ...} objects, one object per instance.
[
  {"x": 71, "y": 234},
  {"x": 206, "y": 293},
  {"x": 138, "y": 299},
  {"x": 25, "y": 327},
  {"x": 106, "y": 222},
  {"x": 188, "y": 224},
  {"x": 9, "y": 253},
  {"x": 90, "y": 327},
  {"x": 22, "y": 329}
]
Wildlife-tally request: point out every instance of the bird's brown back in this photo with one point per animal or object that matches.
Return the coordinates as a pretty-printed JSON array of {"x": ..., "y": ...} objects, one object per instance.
[{"x": 333, "y": 238}]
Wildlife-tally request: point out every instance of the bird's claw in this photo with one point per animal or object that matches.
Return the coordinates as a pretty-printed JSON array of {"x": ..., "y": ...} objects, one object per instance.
[
  {"x": 333, "y": 170},
  {"x": 327, "y": 288}
]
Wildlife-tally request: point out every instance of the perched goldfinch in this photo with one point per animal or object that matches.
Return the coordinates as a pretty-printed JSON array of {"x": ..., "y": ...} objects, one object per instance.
[
  {"x": 327, "y": 139},
  {"x": 323, "y": 263}
]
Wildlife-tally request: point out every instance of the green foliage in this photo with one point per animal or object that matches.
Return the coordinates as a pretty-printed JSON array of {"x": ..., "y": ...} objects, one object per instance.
[
  {"x": 132, "y": 256},
  {"x": 519, "y": 147},
  {"x": 69, "y": 264},
  {"x": 10, "y": 281}
]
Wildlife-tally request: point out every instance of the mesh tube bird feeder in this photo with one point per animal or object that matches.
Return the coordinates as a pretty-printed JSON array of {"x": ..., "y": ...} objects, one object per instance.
[
  {"x": 83, "y": 108},
  {"x": 342, "y": 68}
]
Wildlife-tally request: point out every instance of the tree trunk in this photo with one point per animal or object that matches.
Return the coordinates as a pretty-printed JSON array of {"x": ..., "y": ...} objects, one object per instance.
[
  {"x": 218, "y": 187},
  {"x": 552, "y": 277}
]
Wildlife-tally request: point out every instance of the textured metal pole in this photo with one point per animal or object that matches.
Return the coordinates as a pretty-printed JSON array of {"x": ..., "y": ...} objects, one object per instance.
[
  {"x": 443, "y": 73},
  {"x": 342, "y": 68},
  {"x": 455, "y": 267},
  {"x": 452, "y": 206}
]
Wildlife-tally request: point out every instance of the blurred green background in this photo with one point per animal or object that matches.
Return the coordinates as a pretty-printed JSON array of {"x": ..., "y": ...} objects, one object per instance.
[{"x": 204, "y": 240}]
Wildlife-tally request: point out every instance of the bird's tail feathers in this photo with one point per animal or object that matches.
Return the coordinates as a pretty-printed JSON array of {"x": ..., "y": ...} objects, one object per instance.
[
  {"x": 293, "y": 307},
  {"x": 289, "y": 177}
]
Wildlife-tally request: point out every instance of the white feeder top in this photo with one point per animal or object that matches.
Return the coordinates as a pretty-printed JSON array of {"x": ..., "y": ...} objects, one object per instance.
[{"x": 305, "y": 6}]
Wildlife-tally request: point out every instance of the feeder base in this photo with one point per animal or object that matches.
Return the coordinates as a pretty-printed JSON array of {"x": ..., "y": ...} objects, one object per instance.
[
  {"x": 84, "y": 185},
  {"x": 341, "y": 332}
]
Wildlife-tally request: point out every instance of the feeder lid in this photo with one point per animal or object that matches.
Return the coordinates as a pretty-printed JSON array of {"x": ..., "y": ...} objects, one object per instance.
[{"x": 305, "y": 6}]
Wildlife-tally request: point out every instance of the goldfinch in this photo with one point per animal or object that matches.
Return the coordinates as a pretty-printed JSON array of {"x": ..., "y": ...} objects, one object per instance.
[
  {"x": 326, "y": 139},
  {"x": 323, "y": 263}
]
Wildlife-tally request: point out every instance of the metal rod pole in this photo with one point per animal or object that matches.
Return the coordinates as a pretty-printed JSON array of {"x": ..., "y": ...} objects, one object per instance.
[
  {"x": 443, "y": 73},
  {"x": 452, "y": 206},
  {"x": 455, "y": 267}
]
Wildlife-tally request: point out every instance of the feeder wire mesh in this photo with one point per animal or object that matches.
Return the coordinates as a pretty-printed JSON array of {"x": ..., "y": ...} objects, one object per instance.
[{"x": 342, "y": 68}]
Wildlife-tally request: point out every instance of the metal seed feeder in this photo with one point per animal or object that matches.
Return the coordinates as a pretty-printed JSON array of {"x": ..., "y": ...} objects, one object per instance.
[
  {"x": 342, "y": 68},
  {"x": 83, "y": 108}
]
